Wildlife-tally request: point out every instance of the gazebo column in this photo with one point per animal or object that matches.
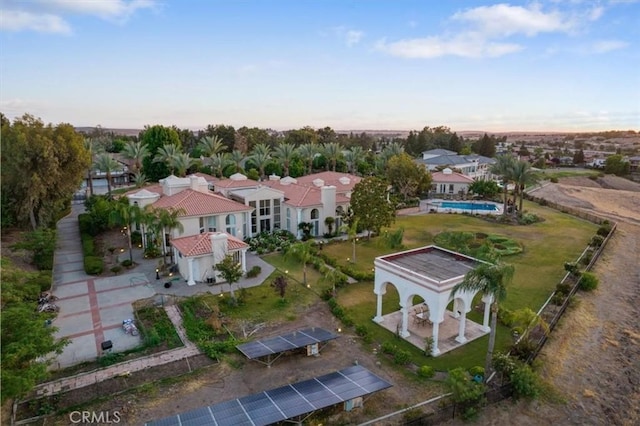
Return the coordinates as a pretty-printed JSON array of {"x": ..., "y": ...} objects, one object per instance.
[
  {"x": 190, "y": 280},
  {"x": 405, "y": 321},
  {"x": 461, "y": 327},
  {"x": 487, "y": 299},
  {"x": 378, "y": 317},
  {"x": 434, "y": 348}
]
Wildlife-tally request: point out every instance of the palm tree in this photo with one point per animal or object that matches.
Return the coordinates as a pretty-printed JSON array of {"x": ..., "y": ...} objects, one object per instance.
[
  {"x": 352, "y": 231},
  {"x": 503, "y": 167},
  {"x": 88, "y": 145},
  {"x": 302, "y": 253},
  {"x": 353, "y": 157},
  {"x": 137, "y": 152},
  {"x": 211, "y": 145},
  {"x": 332, "y": 151},
  {"x": 237, "y": 158},
  {"x": 218, "y": 163},
  {"x": 308, "y": 152},
  {"x": 285, "y": 153},
  {"x": 523, "y": 175},
  {"x": 394, "y": 148},
  {"x": 139, "y": 179},
  {"x": 182, "y": 162},
  {"x": 125, "y": 214},
  {"x": 166, "y": 154},
  {"x": 165, "y": 221},
  {"x": 492, "y": 280},
  {"x": 261, "y": 156},
  {"x": 105, "y": 163}
]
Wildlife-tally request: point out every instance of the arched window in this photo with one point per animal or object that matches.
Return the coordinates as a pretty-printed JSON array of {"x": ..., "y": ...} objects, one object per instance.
[
  {"x": 230, "y": 221},
  {"x": 315, "y": 214}
]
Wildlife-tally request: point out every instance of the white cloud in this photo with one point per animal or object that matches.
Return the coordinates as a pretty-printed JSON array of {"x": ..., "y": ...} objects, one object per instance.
[
  {"x": 467, "y": 46},
  {"x": 48, "y": 16},
  {"x": 19, "y": 20},
  {"x": 596, "y": 13},
  {"x": 605, "y": 46},
  {"x": 503, "y": 20},
  {"x": 353, "y": 37}
]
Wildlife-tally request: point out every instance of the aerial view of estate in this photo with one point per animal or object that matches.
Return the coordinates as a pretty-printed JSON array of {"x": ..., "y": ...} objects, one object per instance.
[{"x": 320, "y": 213}]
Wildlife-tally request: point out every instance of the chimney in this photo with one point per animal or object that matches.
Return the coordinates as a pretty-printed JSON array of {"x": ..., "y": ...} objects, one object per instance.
[
  {"x": 193, "y": 181},
  {"x": 328, "y": 199}
]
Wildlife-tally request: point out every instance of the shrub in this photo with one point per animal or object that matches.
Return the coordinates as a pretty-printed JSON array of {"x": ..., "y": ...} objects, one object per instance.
[
  {"x": 572, "y": 268},
  {"x": 116, "y": 269},
  {"x": 588, "y": 282},
  {"x": 388, "y": 347},
  {"x": 563, "y": 288},
  {"x": 593, "y": 177},
  {"x": 528, "y": 219},
  {"x": 525, "y": 382},
  {"x": 364, "y": 332},
  {"x": 127, "y": 263},
  {"x": 597, "y": 240},
  {"x": 586, "y": 259},
  {"x": 88, "y": 247},
  {"x": 553, "y": 179},
  {"x": 43, "y": 279},
  {"x": 476, "y": 371},
  {"x": 402, "y": 357},
  {"x": 426, "y": 371},
  {"x": 505, "y": 316},
  {"x": 136, "y": 238},
  {"x": 604, "y": 229},
  {"x": 93, "y": 265},
  {"x": 254, "y": 271},
  {"x": 152, "y": 252}
]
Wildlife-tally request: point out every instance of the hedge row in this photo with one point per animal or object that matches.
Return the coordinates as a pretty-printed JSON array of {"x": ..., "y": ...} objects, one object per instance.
[{"x": 93, "y": 265}]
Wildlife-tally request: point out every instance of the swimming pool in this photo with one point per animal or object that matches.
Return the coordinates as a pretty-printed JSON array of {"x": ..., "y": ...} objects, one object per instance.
[{"x": 487, "y": 207}]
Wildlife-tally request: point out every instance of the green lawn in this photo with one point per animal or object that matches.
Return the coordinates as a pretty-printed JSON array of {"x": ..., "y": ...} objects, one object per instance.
[{"x": 547, "y": 246}]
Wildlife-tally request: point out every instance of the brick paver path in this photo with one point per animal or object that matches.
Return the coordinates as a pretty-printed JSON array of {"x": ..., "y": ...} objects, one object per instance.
[{"x": 127, "y": 367}]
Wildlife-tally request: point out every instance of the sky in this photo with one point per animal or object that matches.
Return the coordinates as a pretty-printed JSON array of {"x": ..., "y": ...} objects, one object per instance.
[{"x": 546, "y": 65}]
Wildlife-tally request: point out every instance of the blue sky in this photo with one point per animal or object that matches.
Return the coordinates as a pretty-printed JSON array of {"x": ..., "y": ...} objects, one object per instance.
[{"x": 551, "y": 65}]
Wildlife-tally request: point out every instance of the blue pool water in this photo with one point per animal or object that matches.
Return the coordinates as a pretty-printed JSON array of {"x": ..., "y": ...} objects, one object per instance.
[{"x": 468, "y": 206}]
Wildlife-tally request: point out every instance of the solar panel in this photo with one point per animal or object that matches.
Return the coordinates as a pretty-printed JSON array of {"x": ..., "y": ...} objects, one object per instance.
[
  {"x": 286, "y": 342},
  {"x": 283, "y": 403}
]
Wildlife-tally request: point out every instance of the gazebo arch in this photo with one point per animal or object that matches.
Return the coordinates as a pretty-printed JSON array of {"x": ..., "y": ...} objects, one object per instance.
[{"x": 430, "y": 273}]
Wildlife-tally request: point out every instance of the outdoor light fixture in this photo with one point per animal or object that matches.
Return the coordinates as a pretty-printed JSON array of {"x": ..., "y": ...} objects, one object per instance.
[
  {"x": 339, "y": 330},
  {"x": 121, "y": 250},
  {"x": 157, "y": 274},
  {"x": 286, "y": 272}
]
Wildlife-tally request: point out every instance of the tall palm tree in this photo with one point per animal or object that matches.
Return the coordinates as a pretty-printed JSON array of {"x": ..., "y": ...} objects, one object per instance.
[
  {"x": 182, "y": 162},
  {"x": 285, "y": 153},
  {"x": 492, "y": 280},
  {"x": 139, "y": 179},
  {"x": 218, "y": 163},
  {"x": 166, "y": 220},
  {"x": 333, "y": 151},
  {"x": 308, "y": 152},
  {"x": 137, "y": 152},
  {"x": 88, "y": 145},
  {"x": 523, "y": 175},
  {"x": 261, "y": 156},
  {"x": 167, "y": 154},
  {"x": 237, "y": 158},
  {"x": 211, "y": 145},
  {"x": 352, "y": 231},
  {"x": 353, "y": 157},
  {"x": 503, "y": 167},
  {"x": 125, "y": 214},
  {"x": 105, "y": 163},
  {"x": 302, "y": 253},
  {"x": 394, "y": 148}
]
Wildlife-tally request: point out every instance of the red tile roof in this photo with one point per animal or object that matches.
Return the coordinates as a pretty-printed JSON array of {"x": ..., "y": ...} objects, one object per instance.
[
  {"x": 297, "y": 195},
  {"x": 196, "y": 203},
  {"x": 200, "y": 245},
  {"x": 232, "y": 183},
  {"x": 156, "y": 187},
  {"x": 331, "y": 178},
  {"x": 454, "y": 177}
]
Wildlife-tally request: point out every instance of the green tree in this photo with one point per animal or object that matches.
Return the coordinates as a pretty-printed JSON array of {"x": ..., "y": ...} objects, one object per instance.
[
  {"x": 407, "y": 178},
  {"x": 124, "y": 214},
  {"x": 219, "y": 162},
  {"x": 237, "y": 158},
  {"x": 167, "y": 155},
  {"x": 617, "y": 165},
  {"x": 504, "y": 167},
  {"x": 353, "y": 157},
  {"x": 164, "y": 222},
  {"x": 308, "y": 152},
  {"x": 332, "y": 151},
  {"x": 578, "y": 157},
  {"x": 136, "y": 152},
  {"x": 25, "y": 340},
  {"x": 523, "y": 175},
  {"x": 369, "y": 192},
  {"x": 42, "y": 167},
  {"x": 285, "y": 153},
  {"x": 182, "y": 162},
  {"x": 465, "y": 391},
  {"x": 280, "y": 285},
  {"x": 492, "y": 280},
  {"x": 351, "y": 228},
  {"x": 211, "y": 145},
  {"x": 41, "y": 243},
  {"x": 484, "y": 188},
  {"x": 303, "y": 253},
  {"x": 154, "y": 138},
  {"x": 261, "y": 157},
  {"x": 485, "y": 146},
  {"x": 231, "y": 272},
  {"x": 106, "y": 164},
  {"x": 88, "y": 146}
]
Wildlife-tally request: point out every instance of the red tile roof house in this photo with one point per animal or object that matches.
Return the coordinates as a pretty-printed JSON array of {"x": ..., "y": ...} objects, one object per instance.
[
  {"x": 449, "y": 183},
  {"x": 284, "y": 203},
  {"x": 213, "y": 226}
]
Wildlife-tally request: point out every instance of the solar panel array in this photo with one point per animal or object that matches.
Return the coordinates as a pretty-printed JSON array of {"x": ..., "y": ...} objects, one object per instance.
[
  {"x": 283, "y": 403},
  {"x": 286, "y": 342}
]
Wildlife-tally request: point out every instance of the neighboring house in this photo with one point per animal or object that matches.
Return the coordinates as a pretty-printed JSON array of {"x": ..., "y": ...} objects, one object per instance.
[
  {"x": 448, "y": 182},
  {"x": 207, "y": 217},
  {"x": 597, "y": 163},
  {"x": 475, "y": 166},
  {"x": 634, "y": 164}
]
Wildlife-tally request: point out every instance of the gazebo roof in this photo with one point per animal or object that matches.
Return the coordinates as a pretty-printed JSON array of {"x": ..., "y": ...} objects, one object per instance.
[{"x": 438, "y": 266}]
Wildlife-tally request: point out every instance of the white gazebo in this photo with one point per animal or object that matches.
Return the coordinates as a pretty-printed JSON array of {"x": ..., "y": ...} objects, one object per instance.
[{"x": 431, "y": 273}]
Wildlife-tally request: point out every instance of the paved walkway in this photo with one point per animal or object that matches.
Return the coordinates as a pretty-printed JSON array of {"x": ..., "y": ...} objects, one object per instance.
[
  {"x": 127, "y": 367},
  {"x": 92, "y": 308}
]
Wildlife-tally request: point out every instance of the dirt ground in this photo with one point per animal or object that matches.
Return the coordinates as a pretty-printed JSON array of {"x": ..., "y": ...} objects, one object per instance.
[{"x": 593, "y": 358}]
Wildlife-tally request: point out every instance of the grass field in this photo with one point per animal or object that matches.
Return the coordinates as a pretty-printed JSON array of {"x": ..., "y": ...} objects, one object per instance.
[{"x": 547, "y": 246}]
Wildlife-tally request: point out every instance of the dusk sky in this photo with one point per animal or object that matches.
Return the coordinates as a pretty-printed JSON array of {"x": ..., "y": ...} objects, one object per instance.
[{"x": 550, "y": 65}]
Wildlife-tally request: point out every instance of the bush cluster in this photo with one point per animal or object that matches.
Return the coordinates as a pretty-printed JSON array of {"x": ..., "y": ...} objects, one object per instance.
[
  {"x": 254, "y": 271},
  {"x": 266, "y": 242},
  {"x": 364, "y": 332},
  {"x": 426, "y": 371},
  {"x": 339, "y": 312},
  {"x": 588, "y": 282},
  {"x": 93, "y": 264},
  {"x": 604, "y": 229}
]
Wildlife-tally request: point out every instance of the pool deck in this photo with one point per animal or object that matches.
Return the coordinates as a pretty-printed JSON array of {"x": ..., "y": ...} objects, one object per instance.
[{"x": 433, "y": 206}]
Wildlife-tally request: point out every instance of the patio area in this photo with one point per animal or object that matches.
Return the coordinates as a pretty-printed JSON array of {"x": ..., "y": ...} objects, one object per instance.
[{"x": 418, "y": 331}]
